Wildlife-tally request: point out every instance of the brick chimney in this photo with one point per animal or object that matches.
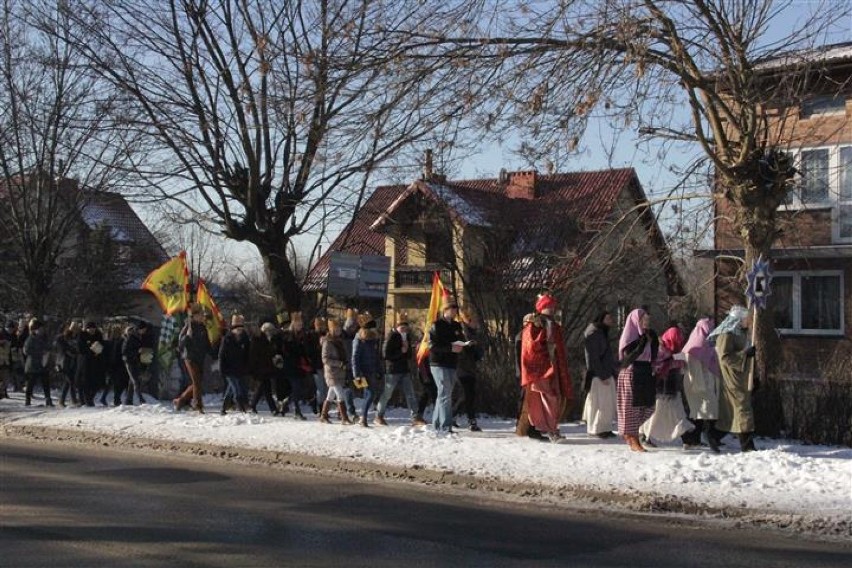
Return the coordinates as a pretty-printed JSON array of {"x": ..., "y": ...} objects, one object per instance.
[{"x": 521, "y": 185}]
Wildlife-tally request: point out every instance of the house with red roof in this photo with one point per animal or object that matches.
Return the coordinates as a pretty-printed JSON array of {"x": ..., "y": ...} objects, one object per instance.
[{"x": 590, "y": 237}]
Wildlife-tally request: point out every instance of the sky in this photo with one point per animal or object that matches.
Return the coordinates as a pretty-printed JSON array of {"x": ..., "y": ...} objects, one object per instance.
[{"x": 804, "y": 484}]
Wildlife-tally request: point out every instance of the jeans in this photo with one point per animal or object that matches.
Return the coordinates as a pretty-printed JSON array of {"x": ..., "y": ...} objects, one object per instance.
[
  {"x": 235, "y": 389},
  {"x": 391, "y": 381},
  {"x": 349, "y": 398},
  {"x": 335, "y": 394},
  {"x": 134, "y": 383},
  {"x": 369, "y": 395},
  {"x": 442, "y": 418},
  {"x": 322, "y": 388}
]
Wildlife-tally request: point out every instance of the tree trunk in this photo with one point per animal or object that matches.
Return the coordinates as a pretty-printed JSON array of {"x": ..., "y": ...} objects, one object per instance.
[{"x": 286, "y": 290}]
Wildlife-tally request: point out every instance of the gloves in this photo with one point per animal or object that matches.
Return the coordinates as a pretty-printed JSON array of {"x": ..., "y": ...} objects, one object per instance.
[{"x": 750, "y": 351}]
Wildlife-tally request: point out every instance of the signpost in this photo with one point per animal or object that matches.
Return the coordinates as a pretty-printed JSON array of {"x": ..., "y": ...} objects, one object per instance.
[{"x": 758, "y": 291}]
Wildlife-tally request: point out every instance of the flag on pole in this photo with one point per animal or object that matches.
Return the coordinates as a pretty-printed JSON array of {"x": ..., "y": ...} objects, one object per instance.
[
  {"x": 215, "y": 322},
  {"x": 170, "y": 285},
  {"x": 434, "y": 308}
]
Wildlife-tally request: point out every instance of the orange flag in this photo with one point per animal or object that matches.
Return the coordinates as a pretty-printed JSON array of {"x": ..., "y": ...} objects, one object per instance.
[
  {"x": 434, "y": 308},
  {"x": 170, "y": 285},
  {"x": 215, "y": 323}
]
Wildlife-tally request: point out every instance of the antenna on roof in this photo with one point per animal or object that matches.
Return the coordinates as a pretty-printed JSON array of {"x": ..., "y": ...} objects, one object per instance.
[{"x": 503, "y": 177}]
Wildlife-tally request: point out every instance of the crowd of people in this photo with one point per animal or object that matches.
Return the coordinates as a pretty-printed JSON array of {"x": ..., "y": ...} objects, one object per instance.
[{"x": 654, "y": 388}]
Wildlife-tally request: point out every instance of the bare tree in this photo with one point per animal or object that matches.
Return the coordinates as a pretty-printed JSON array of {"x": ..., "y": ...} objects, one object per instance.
[
  {"x": 690, "y": 73},
  {"x": 57, "y": 151},
  {"x": 273, "y": 115}
]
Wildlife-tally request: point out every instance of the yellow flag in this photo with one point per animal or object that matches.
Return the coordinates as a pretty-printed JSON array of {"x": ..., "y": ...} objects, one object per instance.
[
  {"x": 215, "y": 322},
  {"x": 434, "y": 308},
  {"x": 170, "y": 285}
]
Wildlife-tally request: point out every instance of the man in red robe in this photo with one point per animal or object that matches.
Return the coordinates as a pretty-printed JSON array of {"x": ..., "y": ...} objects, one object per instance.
[{"x": 544, "y": 369}]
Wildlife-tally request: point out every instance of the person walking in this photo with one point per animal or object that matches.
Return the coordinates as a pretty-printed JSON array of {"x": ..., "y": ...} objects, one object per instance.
[
  {"x": 312, "y": 348},
  {"x": 234, "y": 352},
  {"x": 544, "y": 369},
  {"x": 636, "y": 392},
  {"x": 335, "y": 363},
  {"x": 65, "y": 360},
  {"x": 295, "y": 369},
  {"x": 446, "y": 340},
  {"x": 399, "y": 359},
  {"x": 736, "y": 414},
  {"x": 91, "y": 363},
  {"x": 701, "y": 385},
  {"x": 37, "y": 351},
  {"x": 130, "y": 354},
  {"x": 366, "y": 362},
  {"x": 194, "y": 346},
  {"x": 469, "y": 358},
  {"x": 600, "y": 410},
  {"x": 265, "y": 362}
]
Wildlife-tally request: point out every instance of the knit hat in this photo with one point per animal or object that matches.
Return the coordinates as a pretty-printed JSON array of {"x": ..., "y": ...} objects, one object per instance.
[
  {"x": 545, "y": 302},
  {"x": 401, "y": 319},
  {"x": 237, "y": 321},
  {"x": 366, "y": 320}
]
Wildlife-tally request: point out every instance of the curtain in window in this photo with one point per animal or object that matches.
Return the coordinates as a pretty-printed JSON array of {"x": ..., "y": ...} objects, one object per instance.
[{"x": 821, "y": 302}]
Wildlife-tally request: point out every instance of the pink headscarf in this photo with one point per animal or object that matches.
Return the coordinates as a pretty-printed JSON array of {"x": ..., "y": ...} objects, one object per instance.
[
  {"x": 632, "y": 331},
  {"x": 671, "y": 342},
  {"x": 697, "y": 345}
]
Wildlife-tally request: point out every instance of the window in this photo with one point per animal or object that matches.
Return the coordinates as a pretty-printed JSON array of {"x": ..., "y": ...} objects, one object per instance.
[
  {"x": 814, "y": 176},
  {"x": 826, "y": 182},
  {"x": 826, "y": 104},
  {"x": 809, "y": 303}
]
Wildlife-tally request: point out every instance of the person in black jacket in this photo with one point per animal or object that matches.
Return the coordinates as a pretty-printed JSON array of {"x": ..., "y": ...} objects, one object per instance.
[
  {"x": 468, "y": 359},
  {"x": 600, "y": 411},
  {"x": 65, "y": 353},
  {"x": 91, "y": 362},
  {"x": 234, "y": 364},
  {"x": 130, "y": 347},
  {"x": 446, "y": 340},
  {"x": 36, "y": 351},
  {"x": 398, "y": 355}
]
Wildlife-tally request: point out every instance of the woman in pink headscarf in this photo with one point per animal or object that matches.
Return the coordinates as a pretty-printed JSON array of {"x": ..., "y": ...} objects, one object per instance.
[
  {"x": 701, "y": 384},
  {"x": 637, "y": 350}
]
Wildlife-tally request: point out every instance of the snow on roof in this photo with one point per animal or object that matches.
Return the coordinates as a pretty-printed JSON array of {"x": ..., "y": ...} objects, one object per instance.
[
  {"x": 824, "y": 54},
  {"x": 469, "y": 213}
]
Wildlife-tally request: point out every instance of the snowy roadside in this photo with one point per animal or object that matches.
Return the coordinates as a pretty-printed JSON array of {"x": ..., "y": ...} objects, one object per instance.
[{"x": 786, "y": 485}]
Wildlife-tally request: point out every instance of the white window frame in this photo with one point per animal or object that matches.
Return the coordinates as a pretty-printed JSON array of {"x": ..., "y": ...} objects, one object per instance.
[
  {"x": 833, "y": 201},
  {"x": 797, "y": 302}
]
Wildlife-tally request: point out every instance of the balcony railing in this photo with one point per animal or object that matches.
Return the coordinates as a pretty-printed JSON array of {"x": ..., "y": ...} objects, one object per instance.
[{"x": 418, "y": 276}]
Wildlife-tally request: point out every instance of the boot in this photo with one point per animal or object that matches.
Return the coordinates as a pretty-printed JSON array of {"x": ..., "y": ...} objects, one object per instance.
[
  {"x": 324, "y": 413},
  {"x": 344, "y": 418},
  {"x": 297, "y": 413},
  {"x": 747, "y": 442},
  {"x": 418, "y": 421},
  {"x": 380, "y": 420},
  {"x": 363, "y": 421},
  {"x": 634, "y": 443},
  {"x": 711, "y": 438}
]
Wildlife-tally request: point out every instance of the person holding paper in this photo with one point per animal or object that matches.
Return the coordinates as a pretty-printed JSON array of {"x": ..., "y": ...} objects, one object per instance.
[{"x": 446, "y": 340}]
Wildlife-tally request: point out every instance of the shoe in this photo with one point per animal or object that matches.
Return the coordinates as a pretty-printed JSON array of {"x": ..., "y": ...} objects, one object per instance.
[
  {"x": 176, "y": 404},
  {"x": 363, "y": 422},
  {"x": 380, "y": 421},
  {"x": 455, "y": 424},
  {"x": 604, "y": 435},
  {"x": 418, "y": 421},
  {"x": 646, "y": 441},
  {"x": 692, "y": 446},
  {"x": 223, "y": 412},
  {"x": 535, "y": 434},
  {"x": 299, "y": 416},
  {"x": 473, "y": 427}
]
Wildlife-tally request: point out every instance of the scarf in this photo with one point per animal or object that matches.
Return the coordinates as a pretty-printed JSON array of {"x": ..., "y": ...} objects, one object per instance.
[{"x": 731, "y": 324}]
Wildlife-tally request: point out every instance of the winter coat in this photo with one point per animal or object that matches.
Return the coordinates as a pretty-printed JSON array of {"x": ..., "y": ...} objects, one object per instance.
[
  {"x": 333, "y": 353},
  {"x": 195, "y": 345},
  {"x": 130, "y": 350},
  {"x": 293, "y": 350},
  {"x": 365, "y": 354},
  {"x": 65, "y": 353},
  {"x": 397, "y": 362},
  {"x": 91, "y": 366},
  {"x": 261, "y": 352},
  {"x": 735, "y": 410},
  {"x": 543, "y": 356},
  {"x": 600, "y": 362},
  {"x": 234, "y": 354},
  {"x": 36, "y": 349},
  {"x": 312, "y": 348},
  {"x": 471, "y": 354},
  {"x": 442, "y": 334}
]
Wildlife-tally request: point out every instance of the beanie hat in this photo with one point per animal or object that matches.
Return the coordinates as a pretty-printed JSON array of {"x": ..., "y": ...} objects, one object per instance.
[
  {"x": 402, "y": 318},
  {"x": 545, "y": 302}
]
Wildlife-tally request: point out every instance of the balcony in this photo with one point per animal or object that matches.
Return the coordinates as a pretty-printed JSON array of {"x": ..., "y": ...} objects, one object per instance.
[{"x": 419, "y": 277}]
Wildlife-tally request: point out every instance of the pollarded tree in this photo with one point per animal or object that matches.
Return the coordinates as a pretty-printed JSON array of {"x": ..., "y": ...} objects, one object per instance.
[
  {"x": 271, "y": 115},
  {"x": 714, "y": 73}
]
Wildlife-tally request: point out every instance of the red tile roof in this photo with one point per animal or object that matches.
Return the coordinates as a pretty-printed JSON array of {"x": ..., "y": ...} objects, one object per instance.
[{"x": 584, "y": 198}]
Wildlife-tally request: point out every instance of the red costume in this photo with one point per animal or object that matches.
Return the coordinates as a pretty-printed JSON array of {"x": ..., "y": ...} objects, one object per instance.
[{"x": 544, "y": 371}]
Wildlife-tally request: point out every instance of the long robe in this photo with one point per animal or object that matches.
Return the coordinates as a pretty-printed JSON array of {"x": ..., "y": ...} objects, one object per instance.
[
  {"x": 544, "y": 374},
  {"x": 735, "y": 410}
]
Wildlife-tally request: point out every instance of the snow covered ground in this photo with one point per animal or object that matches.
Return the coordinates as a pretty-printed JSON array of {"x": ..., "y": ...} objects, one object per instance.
[{"x": 782, "y": 478}]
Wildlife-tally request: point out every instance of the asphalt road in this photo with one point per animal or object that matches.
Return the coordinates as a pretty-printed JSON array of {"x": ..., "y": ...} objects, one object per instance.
[{"x": 88, "y": 507}]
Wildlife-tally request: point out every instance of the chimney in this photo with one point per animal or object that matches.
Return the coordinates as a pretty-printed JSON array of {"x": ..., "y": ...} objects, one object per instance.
[
  {"x": 427, "y": 165},
  {"x": 521, "y": 185}
]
